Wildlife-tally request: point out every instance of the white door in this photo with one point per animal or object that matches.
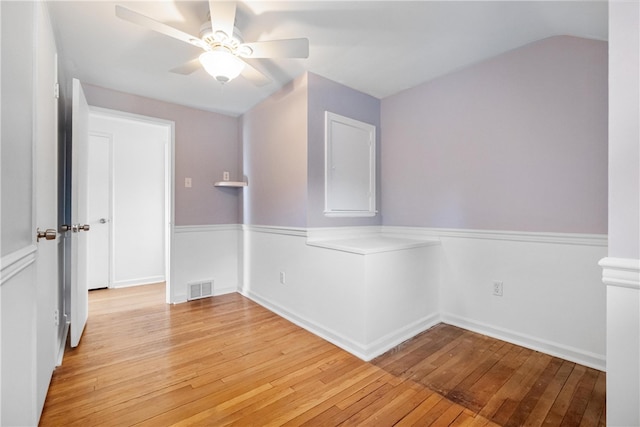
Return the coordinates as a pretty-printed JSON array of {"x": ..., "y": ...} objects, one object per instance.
[
  {"x": 46, "y": 203},
  {"x": 79, "y": 300},
  {"x": 99, "y": 212},
  {"x": 28, "y": 266}
]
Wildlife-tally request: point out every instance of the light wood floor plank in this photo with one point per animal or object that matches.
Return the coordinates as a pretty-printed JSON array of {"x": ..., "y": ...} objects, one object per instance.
[{"x": 227, "y": 361}]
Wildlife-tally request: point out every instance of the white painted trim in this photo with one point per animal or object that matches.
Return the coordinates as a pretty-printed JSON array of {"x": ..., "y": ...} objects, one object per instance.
[
  {"x": 138, "y": 282},
  {"x": 287, "y": 231},
  {"x": 361, "y": 351},
  {"x": 333, "y": 211},
  {"x": 596, "y": 361},
  {"x": 517, "y": 236},
  {"x": 431, "y": 234},
  {"x": 372, "y": 245},
  {"x": 170, "y": 165},
  {"x": 17, "y": 261},
  {"x": 622, "y": 272},
  {"x": 206, "y": 228}
]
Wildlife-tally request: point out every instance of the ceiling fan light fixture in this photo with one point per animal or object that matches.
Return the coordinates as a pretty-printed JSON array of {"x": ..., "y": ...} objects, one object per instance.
[{"x": 222, "y": 65}]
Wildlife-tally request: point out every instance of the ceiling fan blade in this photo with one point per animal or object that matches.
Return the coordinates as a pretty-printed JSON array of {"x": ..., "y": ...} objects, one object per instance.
[
  {"x": 286, "y": 48},
  {"x": 254, "y": 75},
  {"x": 188, "y": 67},
  {"x": 223, "y": 16},
  {"x": 152, "y": 24}
]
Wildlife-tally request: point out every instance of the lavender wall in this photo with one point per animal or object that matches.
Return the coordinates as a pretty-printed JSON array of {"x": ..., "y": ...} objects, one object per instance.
[
  {"x": 518, "y": 142},
  {"x": 206, "y": 144},
  {"x": 326, "y": 95},
  {"x": 274, "y": 138}
]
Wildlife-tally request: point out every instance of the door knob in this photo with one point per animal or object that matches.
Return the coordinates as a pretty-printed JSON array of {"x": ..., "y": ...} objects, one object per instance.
[
  {"x": 48, "y": 234},
  {"x": 74, "y": 228}
]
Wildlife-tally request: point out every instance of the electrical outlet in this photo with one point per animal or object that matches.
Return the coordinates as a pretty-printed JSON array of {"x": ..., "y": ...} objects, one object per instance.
[
  {"x": 225, "y": 176},
  {"x": 497, "y": 289},
  {"x": 56, "y": 317},
  {"x": 283, "y": 278},
  {"x": 187, "y": 182}
]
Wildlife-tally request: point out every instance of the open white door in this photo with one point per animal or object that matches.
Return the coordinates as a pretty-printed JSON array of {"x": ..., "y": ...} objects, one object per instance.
[{"x": 79, "y": 300}]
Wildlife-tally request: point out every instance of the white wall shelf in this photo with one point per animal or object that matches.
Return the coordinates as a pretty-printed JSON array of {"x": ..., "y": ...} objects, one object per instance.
[{"x": 230, "y": 184}]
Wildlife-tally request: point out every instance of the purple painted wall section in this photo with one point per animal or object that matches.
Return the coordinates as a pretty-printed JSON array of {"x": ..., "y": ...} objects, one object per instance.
[
  {"x": 326, "y": 95},
  {"x": 518, "y": 142},
  {"x": 206, "y": 144},
  {"x": 274, "y": 135}
]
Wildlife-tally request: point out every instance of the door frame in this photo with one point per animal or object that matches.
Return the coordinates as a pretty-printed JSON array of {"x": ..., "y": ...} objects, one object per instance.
[
  {"x": 110, "y": 195},
  {"x": 169, "y": 181}
]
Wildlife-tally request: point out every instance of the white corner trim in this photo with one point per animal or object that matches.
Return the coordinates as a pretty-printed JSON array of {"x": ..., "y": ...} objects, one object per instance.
[
  {"x": 362, "y": 351},
  {"x": 333, "y": 337},
  {"x": 592, "y": 360},
  {"x": 17, "y": 261},
  {"x": 206, "y": 228},
  {"x": 517, "y": 236},
  {"x": 622, "y": 272},
  {"x": 270, "y": 229}
]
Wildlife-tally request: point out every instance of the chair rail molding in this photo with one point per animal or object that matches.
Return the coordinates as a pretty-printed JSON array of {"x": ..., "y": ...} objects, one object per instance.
[
  {"x": 17, "y": 261},
  {"x": 622, "y": 272}
]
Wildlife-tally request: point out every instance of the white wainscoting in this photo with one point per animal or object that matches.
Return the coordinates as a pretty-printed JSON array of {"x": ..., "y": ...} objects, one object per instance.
[
  {"x": 553, "y": 298},
  {"x": 364, "y": 302},
  {"x": 18, "y": 311},
  {"x": 203, "y": 253}
]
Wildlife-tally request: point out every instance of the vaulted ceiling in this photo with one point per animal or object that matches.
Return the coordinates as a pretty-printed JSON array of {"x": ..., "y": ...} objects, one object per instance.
[{"x": 377, "y": 47}]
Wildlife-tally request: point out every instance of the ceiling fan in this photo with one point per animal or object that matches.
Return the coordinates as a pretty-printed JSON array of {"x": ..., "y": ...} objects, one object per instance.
[{"x": 224, "y": 51}]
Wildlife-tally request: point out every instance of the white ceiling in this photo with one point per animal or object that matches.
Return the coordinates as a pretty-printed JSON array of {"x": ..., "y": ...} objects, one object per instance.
[{"x": 377, "y": 47}]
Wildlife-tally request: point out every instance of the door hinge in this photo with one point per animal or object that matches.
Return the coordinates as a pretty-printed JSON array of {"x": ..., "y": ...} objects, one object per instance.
[{"x": 56, "y": 90}]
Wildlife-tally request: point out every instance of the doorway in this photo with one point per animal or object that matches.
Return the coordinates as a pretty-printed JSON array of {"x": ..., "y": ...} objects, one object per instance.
[{"x": 130, "y": 199}]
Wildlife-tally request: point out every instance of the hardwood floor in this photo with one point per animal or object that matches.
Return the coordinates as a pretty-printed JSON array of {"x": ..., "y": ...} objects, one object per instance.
[{"x": 227, "y": 361}]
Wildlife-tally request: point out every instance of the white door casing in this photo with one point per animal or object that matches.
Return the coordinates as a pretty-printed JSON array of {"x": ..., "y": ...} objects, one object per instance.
[{"x": 151, "y": 141}]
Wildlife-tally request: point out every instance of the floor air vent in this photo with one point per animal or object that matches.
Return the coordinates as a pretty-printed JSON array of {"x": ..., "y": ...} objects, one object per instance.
[{"x": 200, "y": 290}]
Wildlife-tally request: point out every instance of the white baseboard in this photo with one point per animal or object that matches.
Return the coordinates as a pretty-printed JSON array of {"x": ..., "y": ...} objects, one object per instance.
[
  {"x": 138, "y": 282},
  {"x": 362, "y": 351},
  {"x": 581, "y": 357}
]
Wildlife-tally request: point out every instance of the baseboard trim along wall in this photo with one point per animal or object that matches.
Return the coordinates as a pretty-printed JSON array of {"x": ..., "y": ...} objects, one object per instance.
[
  {"x": 592, "y": 360},
  {"x": 553, "y": 298},
  {"x": 140, "y": 281},
  {"x": 360, "y": 350}
]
